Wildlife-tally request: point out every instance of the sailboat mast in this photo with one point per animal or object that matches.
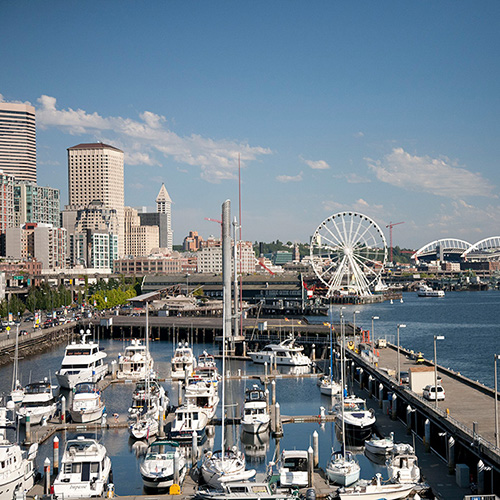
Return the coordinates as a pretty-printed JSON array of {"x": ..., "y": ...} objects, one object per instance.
[{"x": 342, "y": 362}]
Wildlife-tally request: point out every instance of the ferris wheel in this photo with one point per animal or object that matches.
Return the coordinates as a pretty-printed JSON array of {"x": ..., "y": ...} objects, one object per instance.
[{"x": 348, "y": 253}]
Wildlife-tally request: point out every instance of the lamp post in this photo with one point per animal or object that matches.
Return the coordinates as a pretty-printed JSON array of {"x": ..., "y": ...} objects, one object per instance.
[
  {"x": 436, "y": 337},
  {"x": 354, "y": 323},
  {"x": 497, "y": 437},
  {"x": 187, "y": 285},
  {"x": 373, "y": 340},
  {"x": 399, "y": 366}
]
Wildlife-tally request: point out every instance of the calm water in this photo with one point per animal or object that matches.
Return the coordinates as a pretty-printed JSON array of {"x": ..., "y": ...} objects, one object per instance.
[{"x": 469, "y": 321}]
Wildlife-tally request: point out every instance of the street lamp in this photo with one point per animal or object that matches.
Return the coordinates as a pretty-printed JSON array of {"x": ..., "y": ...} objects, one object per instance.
[
  {"x": 399, "y": 366},
  {"x": 373, "y": 340},
  {"x": 354, "y": 323},
  {"x": 436, "y": 337},
  {"x": 497, "y": 437}
]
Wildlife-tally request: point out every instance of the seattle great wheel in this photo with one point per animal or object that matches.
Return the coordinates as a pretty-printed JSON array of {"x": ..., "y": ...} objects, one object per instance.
[{"x": 348, "y": 253}]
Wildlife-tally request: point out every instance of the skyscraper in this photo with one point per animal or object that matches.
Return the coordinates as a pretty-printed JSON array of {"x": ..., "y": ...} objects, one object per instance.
[
  {"x": 164, "y": 206},
  {"x": 95, "y": 172},
  {"x": 18, "y": 141}
]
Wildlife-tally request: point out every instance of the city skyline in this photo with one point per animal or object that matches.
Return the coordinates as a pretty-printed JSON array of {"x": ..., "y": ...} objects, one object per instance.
[{"x": 386, "y": 109}]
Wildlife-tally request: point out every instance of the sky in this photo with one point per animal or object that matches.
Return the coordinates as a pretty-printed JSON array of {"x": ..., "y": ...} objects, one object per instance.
[{"x": 387, "y": 108}]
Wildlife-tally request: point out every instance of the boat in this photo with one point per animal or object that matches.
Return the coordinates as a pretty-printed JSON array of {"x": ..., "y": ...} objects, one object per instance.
[
  {"x": 328, "y": 387},
  {"x": 157, "y": 469},
  {"x": 219, "y": 468},
  {"x": 144, "y": 387},
  {"x": 136, "y": 361},
  {"x": 17, "y": 391},
  {"x": 18, "y": 470},
  {"x": 357, "y": 419},
  {"x": 292, "y": 468},
  {"x": 255, "y": 446},
  {"x": 82, "y": 362},
  {"x": 247, "y": 490},
  {"x": 403, "y": 468},
  {"x": 226, "y": 465},
  {"x": 39, "y": 403},
  {"x": 255, "y": 417},
  {"x": 182, "y": 360},
  {"x": 207, "y": 360},
  {"x": 87, "y": 405},
  {"x": 380, "y": 446},
  {"x": 426, "y": 291},
  {"x": 286, "y": 353},
  {"x": 84, "y": 471},
  {"x": 375, "y": 490},
  {"x": 188, "y": 419},
  {"x": 202, "y": 391},
  {"x": 342, "y": 468}
]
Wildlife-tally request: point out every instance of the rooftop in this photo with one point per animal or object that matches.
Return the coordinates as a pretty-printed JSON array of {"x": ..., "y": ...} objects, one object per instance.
[{"x": 94, "y": 145}]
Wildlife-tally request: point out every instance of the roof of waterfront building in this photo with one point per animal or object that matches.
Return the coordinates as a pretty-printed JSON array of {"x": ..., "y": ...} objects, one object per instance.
[{"x": 94, "y": 145}]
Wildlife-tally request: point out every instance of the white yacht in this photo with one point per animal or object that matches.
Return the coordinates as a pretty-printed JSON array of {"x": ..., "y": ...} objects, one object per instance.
[
  {"x": 219, "y": 468},
  {"x": 188, "y": 418},
  {"x": 136, "y": 362},
  {"x": 87, "y": 405},
  {"x": 255, "y": 416},
  {"x": 18, "y": 467},
  {"x": 292, "y": 468},
  {"x": 375, "y": 490},
  {"x": 38, "y": 403},
  {"x": 403, "y": 469},
  {"x": 328, "y": 386},
  {"x": 357, "y": 418},
  {"x": 426, "y": 291},
  {"x": 380, "y": 446},
  {"x": 285, "y": 353},
  {"x": 182, "y": 360},
  {"x": 202, "y": 392},
  {"x": 84, "y": 471},
  {"x": 82, "y": 362},
  {"x": 245, "y": 490},
  {"x": 157, "y": 469}
]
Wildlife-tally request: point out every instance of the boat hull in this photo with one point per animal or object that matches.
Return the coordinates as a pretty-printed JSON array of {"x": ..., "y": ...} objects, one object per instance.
[
  {"x": 68, "y": 380},
  {"x": 86, "y": 416}
]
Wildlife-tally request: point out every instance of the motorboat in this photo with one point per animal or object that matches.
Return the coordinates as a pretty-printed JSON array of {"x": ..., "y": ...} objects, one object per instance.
[
  {"x": 202, "y": 391},
  {"x": 18, "y": 467},
  {"x": 426, "y": 291},
  {"x": 87, "y": 405},
  {"x": 375, "y": 490},
  {"x": 136, "y": 361},
  {"x": 255, "y": 416},
  {"x": 188, "y": 419},
  {"x": 380, "y": 446},
  {"x": 207, "y": 360},
  {"x": 342, "y": 469},
  {"x": 182, "y": 360},
  {"x": 84, "y": 471},
  {"x": 39, "y": 403},
  {"x": 220, "y": 468},
  {"x": 246, "y": 490},
  {"x": 328, "y": 386},
  {"x": 148, "y": 389},
  {"x": 357, "y": 419},
  {"x": 285, "y": 353},
  {"x": 157, "y": 469},
  {"x": 82, "y": 362},
  {"x": 403, "y": 468},
  {"x": 292, "y": 468}
]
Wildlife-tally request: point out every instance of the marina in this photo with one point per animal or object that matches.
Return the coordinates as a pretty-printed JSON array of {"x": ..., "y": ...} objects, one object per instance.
[{"x": 300, "y": 402}]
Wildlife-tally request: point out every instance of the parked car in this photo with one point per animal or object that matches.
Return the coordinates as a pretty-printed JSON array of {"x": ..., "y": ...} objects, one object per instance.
[{"x": 430, "y": 393}]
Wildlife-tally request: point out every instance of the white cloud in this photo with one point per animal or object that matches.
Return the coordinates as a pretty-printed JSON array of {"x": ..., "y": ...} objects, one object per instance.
[
  {"x": 353, "y": 178},
  {"x": 358, "y": 206},
  {"x": 289, "y": 178},
  {"x": 316, "y": 164},
  {"x": 143, "y": 140},
  {"x": 359, "y": 134},
  {"x": 438, "y": 176}
]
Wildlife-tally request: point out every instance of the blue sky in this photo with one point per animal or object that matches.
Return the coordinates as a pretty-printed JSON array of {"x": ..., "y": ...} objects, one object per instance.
[{"x": 387, "y": 108}]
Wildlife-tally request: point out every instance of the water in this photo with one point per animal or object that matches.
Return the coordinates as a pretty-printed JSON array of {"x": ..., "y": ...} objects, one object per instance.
[{"x": 470, "y": 323}]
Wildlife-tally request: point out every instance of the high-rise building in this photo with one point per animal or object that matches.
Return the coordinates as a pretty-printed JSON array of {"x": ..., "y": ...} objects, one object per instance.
[
  {"x": 18, "y": 141},
  {"x": 164, "y": 206},
  {"x": 34, "y": 203},
  {"x": 140, "y": 240},
  {"x": 7, "y": 218},
  {"x": 95, "y": 172}
]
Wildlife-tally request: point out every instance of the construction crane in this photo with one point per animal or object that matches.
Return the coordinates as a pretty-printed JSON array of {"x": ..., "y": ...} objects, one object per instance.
[{"x": 390, "y": 226}]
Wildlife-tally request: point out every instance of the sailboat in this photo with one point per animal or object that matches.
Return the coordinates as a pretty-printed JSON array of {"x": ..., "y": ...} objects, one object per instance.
[
  {"x": 327, "y": 385},
  {"x": 145, "y": 417},
  {"x": 17, "y": 392},
  {"x": 224, "y": 466},
  {"x": 342, "y": 468}
]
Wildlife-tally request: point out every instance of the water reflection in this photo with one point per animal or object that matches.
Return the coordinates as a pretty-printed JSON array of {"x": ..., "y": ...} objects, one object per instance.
[{"x": 255, "y": 446}]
